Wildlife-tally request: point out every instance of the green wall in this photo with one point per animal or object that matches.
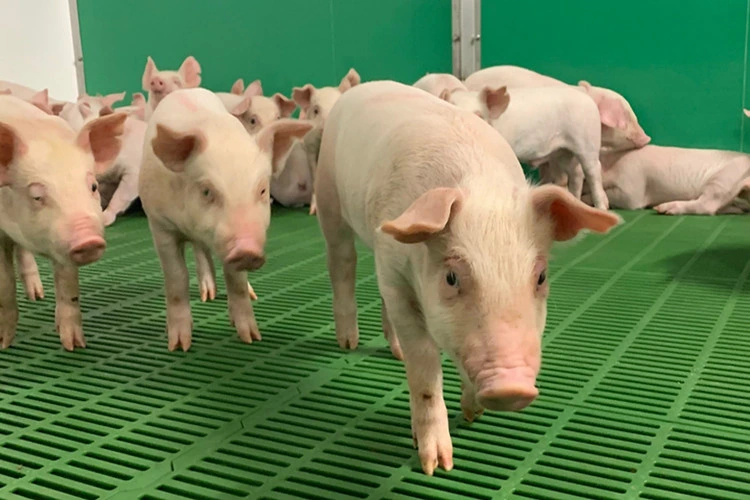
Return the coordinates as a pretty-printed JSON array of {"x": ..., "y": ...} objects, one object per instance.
[
  {"x": 285, "y": 43},
  {"x": 681, "y": 64}
]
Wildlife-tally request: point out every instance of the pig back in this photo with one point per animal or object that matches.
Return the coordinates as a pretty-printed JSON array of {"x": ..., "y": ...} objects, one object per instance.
[
  {"x": 387, "y": 143},
  {"x": 510, "y": 76}
]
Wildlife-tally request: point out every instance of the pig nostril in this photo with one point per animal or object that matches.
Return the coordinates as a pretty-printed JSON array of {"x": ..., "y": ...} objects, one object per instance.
[{"x": 87, "y": 252}]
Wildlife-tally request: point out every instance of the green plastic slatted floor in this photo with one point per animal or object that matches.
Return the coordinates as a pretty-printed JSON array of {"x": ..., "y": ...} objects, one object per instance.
[{"x": 644, "y": 386}]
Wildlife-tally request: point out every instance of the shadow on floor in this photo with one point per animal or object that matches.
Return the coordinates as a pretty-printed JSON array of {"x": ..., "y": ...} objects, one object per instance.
[{"x": 715, "y": 266}]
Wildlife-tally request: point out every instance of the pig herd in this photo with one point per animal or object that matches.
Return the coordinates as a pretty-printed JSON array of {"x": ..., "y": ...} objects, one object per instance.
[{"x": 419, "y": 173}]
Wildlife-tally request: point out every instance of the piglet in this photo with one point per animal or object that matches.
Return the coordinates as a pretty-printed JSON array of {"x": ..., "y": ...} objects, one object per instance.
[
  {"x": 461, "y": 244},
  {"x": 50, "y": 201},
  {"x": 555, "y": 125},
  {"x": 620, "y": 128},
  {"x": 439, "y": 84},
  {"x": 253, "y": 109},
  {"x": 204, "y": 180},
  {"x": 315, "y": 104},
  {"x": 27, "y": 93},
  {"x": 677, "y": 181},
  {"x": 159, "y": 84}
]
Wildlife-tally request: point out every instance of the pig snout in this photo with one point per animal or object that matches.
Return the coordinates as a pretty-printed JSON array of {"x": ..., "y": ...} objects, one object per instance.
[
  {"x": 245, "y": 254},
  {"x": 158, "y": 84},
  {"x": 507, "y": 389},
  {"x": 85, "y": 244}
]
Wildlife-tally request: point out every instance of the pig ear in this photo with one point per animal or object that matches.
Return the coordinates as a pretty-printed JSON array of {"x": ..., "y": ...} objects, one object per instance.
[
  {"x": 138, "y": 100},
  {"x": 110, "y": 99},
  {"x": 586, "y": 85},
  {"x": 190, "y": 71},
  {"x": 747, "y": 112},
  {"x": 106, "y": 110},
  {"x": 278, "y": 139},
  {"x": 148, "y": 73},
  {"x": 41, "y": 101},
  {"x": 174, "y": 148},
  {"x": 254, "y": 89},
  {"x": 302, "y": 95},
  {"x": 350, "y": 80},
  {"x": 57, "y": 108},
  {"x": 612, "y": 113},
  {"x": 238, "y": 87},
  {"x": 11, "y": 147},
  {"x": 5, "y": 92},
  {"x": 85, "y": 109},
  {"x": 426, "y": 217},
  {"x": 569, "y": 215},
  {"x": 102, "y": 138},
  {"x": 241, "y": 107},
  {"x": 286, "y": 106},
  {"x": 496, "y": 100}
]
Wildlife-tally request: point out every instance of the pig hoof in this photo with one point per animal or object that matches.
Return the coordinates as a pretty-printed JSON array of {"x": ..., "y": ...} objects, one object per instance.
[
  {"x": 109, "y": 219},
  {"x": 472, "y": 413},
  {"x": 313, "y": 209},
  {"x": 253, "y": 295},
  {"x": 7, "y": 334},
  {"x": 34, "y": 288},
  {"x": 396, "y": 351},
  {"x": 208, "y": 289},
  {"x": 247, "y": 328},
  {"x": 348, "y": 342},
  {"x": 71, "y": 336},
  {"x": 180, "y": 336},
  {"x": 435, "y": 451},
  {"x": 671, "y": 208}
]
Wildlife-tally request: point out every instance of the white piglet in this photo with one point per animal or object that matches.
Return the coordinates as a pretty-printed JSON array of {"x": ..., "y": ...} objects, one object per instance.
[
  {"x": 438, "y": 84},
  {"x": 160, "y": 84},
  {"x": 204, "y": 180},
  {"x": 50, "y": 207},
  {"x": 555, "y": 125},
  {"x": 461, "y": 244},
  {"x": 677, "y": 180}
]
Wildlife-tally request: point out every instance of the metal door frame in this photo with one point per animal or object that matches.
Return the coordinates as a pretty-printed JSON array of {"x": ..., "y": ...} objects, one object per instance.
[{"x": 467, "y": 39}]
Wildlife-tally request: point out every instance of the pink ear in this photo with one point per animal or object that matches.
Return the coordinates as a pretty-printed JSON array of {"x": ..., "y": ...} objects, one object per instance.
[
  {"x": 427, "y": 216},
  {"x": 174, "y": 148},
  {"x": 569, "y": 216},
  {"x": 190, "y": 71},
  {"x": 445, "y": 95},
  {"x": 238, "y": 87},
  {"x": 303, "y": 95},
  {"x": 278, "y": 139},
  {"x": 139, "y": 100},
  {"x": 85, "y": 109},
  {"x": 612, "y": 113},
  {"x": 41, "y": 101},
  {"x": 110, "y": 99},
  {"x": 148, "y": 73},
  {"x": 747, "y": 112},
  {"x": 350, "y": 80},
  {"x": 254, "y": 89},
  {"x": 497, "y": 100},
  {"x": 5, "y": 92},
  {"x": 286, "y": 106},
  {"x": 11, "y": 147},
  {"x": 241, "y": 107},
  {"x": 102, "y": 138},
  {"x": 57, "y": 108},
  {"x": 586, "y": 85}
]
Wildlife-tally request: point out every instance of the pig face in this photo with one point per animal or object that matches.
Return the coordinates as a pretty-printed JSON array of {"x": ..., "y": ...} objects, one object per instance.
[
  {"x": 159, "y": 84},
  {"x": 482, "y": 287},
  {"x": 226, "y": 184},
  {"x": 256, "y": 111},
  {"x": 317, "y": 103},
  {"x": 488, "y": 104},
  {"x": 52, "y": 194},
  {"x": 620, "y": 128},
  {"x": 88, "y": 108}
]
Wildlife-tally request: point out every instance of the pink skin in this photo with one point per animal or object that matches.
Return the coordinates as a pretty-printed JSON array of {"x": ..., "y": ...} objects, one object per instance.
[{"x": 160, "y": 84}]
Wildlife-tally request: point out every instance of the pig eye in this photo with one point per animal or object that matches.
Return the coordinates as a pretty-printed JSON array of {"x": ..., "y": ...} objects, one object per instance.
[
  {"x": 451, "y": 279},
  {"x": 94, "y": 187},
  {"x": 253, "y": 121},
  {"x": 206, "y": 193},
  {"x": 542, "y": 278},
  {"x": 316, "y": 110}
]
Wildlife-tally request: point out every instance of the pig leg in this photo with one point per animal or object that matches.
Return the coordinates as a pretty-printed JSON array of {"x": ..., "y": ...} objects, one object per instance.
[
  {"x": 390, "y": 336},
  {"x": 123, "y": 197},
  {"x": 720, "y": 191},
  {"x": 68, "y": 318},
  {"x": 469, "y": 404},
  {"x": 171, "y": 251},
  {"x": 204, "y": 266},
  {"x": 8, "y": 304},
  {"x": 29, "y": 273},
  {"x": 241, "y": 312},
  {"x": 342, "y": 266},
  {"x": 592, "y": 168},
  {"x": 429, "y": 416}
]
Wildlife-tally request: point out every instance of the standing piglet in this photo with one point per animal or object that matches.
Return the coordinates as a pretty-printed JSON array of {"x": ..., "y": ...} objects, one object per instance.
[
  {"x": 160, "y": 84},
  {"x": 315, "y": 104},
  {"x": 253, "y": 109},
  {"x": 555, "y": 125},
  {"x": 677, "y": 180},
  {"x": 461, "y": 244},
  {"x": 49, "y": 205},
  {"x": 620, "y": 128},
  {"x": 204, "y": 180},
  {"x": 439, "y": 84}
]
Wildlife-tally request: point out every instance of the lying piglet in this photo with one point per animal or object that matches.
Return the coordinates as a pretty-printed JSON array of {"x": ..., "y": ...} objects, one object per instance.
[
  {"x": 461, "y": 244},
  {"x": 620, "y": 128},
  {"x": 50, "y": 202},
  {"x": 438, "y": 84},
  {"x": 677, "y": 180},
  {"x": 204, "y": 180},
  {"x": 159, "y": 84},
  {"x": 315, "y": 104},
  {"x": 555, "y": 125}
]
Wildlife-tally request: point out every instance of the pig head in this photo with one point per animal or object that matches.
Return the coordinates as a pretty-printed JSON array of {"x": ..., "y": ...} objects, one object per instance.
[
  {"x": 316, "y": 103},
  {"x": 159, "y": 84},
  {"x": 620, "y": 128},
  {"x": 254, "y": 110}
]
